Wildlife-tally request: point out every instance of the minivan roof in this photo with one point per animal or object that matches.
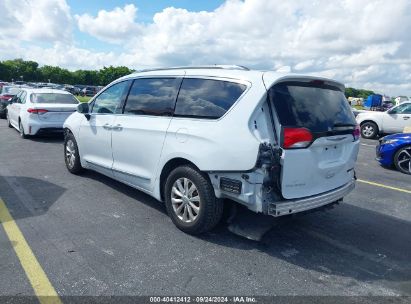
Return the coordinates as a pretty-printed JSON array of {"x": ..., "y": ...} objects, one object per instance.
[{"x": 233, "y": 72}]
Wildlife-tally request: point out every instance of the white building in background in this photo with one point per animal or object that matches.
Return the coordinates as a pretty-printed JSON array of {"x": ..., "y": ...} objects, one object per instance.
[
  {"x": 400, "y": 99},
  {"x": 386, "y": 98}
]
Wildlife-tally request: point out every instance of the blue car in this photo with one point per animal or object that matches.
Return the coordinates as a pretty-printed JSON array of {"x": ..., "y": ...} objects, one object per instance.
[{"x": 395, "y": 150}]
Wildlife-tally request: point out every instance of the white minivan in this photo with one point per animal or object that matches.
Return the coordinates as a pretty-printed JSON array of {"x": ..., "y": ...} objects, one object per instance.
[{"x": 194, "y": 136}]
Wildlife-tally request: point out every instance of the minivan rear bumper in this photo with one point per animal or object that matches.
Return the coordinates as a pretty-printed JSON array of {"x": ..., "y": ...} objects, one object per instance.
[{"x": 298, "y": 205}]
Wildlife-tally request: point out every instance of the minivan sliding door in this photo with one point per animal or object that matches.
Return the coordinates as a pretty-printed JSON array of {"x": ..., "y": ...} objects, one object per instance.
[{"x": 138, "y": 135}]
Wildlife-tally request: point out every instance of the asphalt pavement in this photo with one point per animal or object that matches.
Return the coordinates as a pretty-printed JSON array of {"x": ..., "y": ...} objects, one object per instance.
[{"x": 95, "y": 236}]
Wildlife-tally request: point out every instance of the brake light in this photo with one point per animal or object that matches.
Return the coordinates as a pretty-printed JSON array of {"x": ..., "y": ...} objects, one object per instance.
[
  {"x": 37, "y": 111},
  {"x": 296, "y": 138},
  {"x": 317, "y": 82},
  {"x": 356, "y": 133}
]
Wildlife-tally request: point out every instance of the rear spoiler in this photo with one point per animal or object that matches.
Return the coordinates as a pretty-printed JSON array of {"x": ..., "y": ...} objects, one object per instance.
[{"x": 272, "y": 78}]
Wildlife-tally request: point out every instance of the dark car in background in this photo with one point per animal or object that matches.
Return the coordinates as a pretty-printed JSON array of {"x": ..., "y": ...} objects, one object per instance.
[
  {"x": 69, "y": 88},
  {"x": 6, "y": 93},
  {"x": 89, "y": 91},
  {"x": 76, "y": 90}
]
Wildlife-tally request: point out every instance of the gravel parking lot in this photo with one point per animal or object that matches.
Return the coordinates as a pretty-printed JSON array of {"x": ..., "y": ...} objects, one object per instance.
[{"x": 94, "y": 236}]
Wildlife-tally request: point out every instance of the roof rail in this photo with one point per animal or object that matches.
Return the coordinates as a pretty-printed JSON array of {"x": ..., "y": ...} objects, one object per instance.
[{"x": 216, "y": 66}]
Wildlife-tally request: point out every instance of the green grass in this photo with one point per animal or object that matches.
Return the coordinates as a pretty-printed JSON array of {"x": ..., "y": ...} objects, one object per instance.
[
  {"x": 83, "y": 98},
  {"x": 359, "y": 107}
]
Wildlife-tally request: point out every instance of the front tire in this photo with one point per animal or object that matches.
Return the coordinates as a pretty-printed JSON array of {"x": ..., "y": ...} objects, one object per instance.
[
  {"x": 191, "y": 202},
  {"x": 71, "y": 154},
  {"x": 369, "y": 130},
  {"x": 402, "y": 160}
]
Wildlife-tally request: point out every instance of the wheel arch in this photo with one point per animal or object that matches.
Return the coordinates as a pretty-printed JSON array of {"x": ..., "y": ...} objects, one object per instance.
[
  {"x": 169, "y": 166},
  {"x": 399, "y": 148},
  {"x": 67, "y": 130},
  {"x": 394, "y": 156},
  {"x": 368, "y": 120}
]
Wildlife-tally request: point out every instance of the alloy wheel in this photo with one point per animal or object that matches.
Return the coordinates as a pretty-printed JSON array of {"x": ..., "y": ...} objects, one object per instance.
[
  {"x": 404, "y": 159},
  {"x": 368, "y": 131},
  {"x": 185, "y": 200},
  {"x": 70, "y": 153}
]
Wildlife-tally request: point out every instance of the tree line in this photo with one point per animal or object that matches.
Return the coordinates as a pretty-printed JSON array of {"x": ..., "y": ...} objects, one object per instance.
[
  {"x": 30, "y": 71},
  {"x": 19, "y": 69},
  {"x": 357, "y": 93}
]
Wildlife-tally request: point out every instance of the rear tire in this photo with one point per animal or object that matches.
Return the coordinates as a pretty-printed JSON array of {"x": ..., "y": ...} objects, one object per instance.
[
  {"x": 71, "y": 154},
  {"x": 369, "y": 130},
  {"x": 191, "y": 202},
  {"x": 8, "y": 121},
  {"x": 21, "y": 130},
  {"x": 402, "y": 160}
]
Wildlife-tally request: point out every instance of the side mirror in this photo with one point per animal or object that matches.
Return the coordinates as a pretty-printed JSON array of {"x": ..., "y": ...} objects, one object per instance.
[{"x": 83, "y": 108}]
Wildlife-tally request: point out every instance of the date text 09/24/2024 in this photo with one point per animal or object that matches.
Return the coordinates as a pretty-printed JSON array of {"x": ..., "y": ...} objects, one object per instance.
[{"x": 203, "y": 299}]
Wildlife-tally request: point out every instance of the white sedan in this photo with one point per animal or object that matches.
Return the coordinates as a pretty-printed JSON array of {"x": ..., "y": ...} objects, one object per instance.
[
  {"x": 36, "y": 111},
  {"x": 373, "y": 123}
]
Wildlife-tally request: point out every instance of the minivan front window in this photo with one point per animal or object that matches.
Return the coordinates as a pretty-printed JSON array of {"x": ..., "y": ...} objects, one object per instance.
[
  {"x": 109, "y": 101},
  {"x": 317, "y": 107}
]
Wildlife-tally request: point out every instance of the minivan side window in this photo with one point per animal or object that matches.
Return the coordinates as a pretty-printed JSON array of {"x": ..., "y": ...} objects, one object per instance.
[
  {"x": 152, "y": 96},
  {"x": 404, "y": 108},
  {"x": 407, "y": 110},
  {"x": 206, "y": 98},
  {"x": 109, "y": 101}
]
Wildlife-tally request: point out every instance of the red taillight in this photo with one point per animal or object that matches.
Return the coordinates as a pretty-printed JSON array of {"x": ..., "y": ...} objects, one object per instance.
[
  {"x": 37, "y": 111},
  {"x": 296, "y": 138},
  {"x": 356, "y": 133},
  {"x": 317, "y": 82}
]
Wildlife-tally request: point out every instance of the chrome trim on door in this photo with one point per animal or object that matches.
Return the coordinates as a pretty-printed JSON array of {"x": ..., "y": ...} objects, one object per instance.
[
  {"x": 131, "y": 174},
  {"x": 97, "y": 165}
]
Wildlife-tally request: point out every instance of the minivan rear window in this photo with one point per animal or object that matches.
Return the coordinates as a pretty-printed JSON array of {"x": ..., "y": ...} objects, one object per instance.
[
  {"x": 317, "y": 107},
  {"x": 206, "y": 98}
]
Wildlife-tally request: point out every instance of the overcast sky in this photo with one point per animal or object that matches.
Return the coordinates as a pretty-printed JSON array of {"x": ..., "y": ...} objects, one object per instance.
[{"x": 363, "y": 43}]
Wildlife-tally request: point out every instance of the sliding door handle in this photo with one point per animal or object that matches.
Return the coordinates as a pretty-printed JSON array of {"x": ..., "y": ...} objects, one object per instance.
[
  {"x": 107, "y": 126},
  {"x": 117, "y": 127}
]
